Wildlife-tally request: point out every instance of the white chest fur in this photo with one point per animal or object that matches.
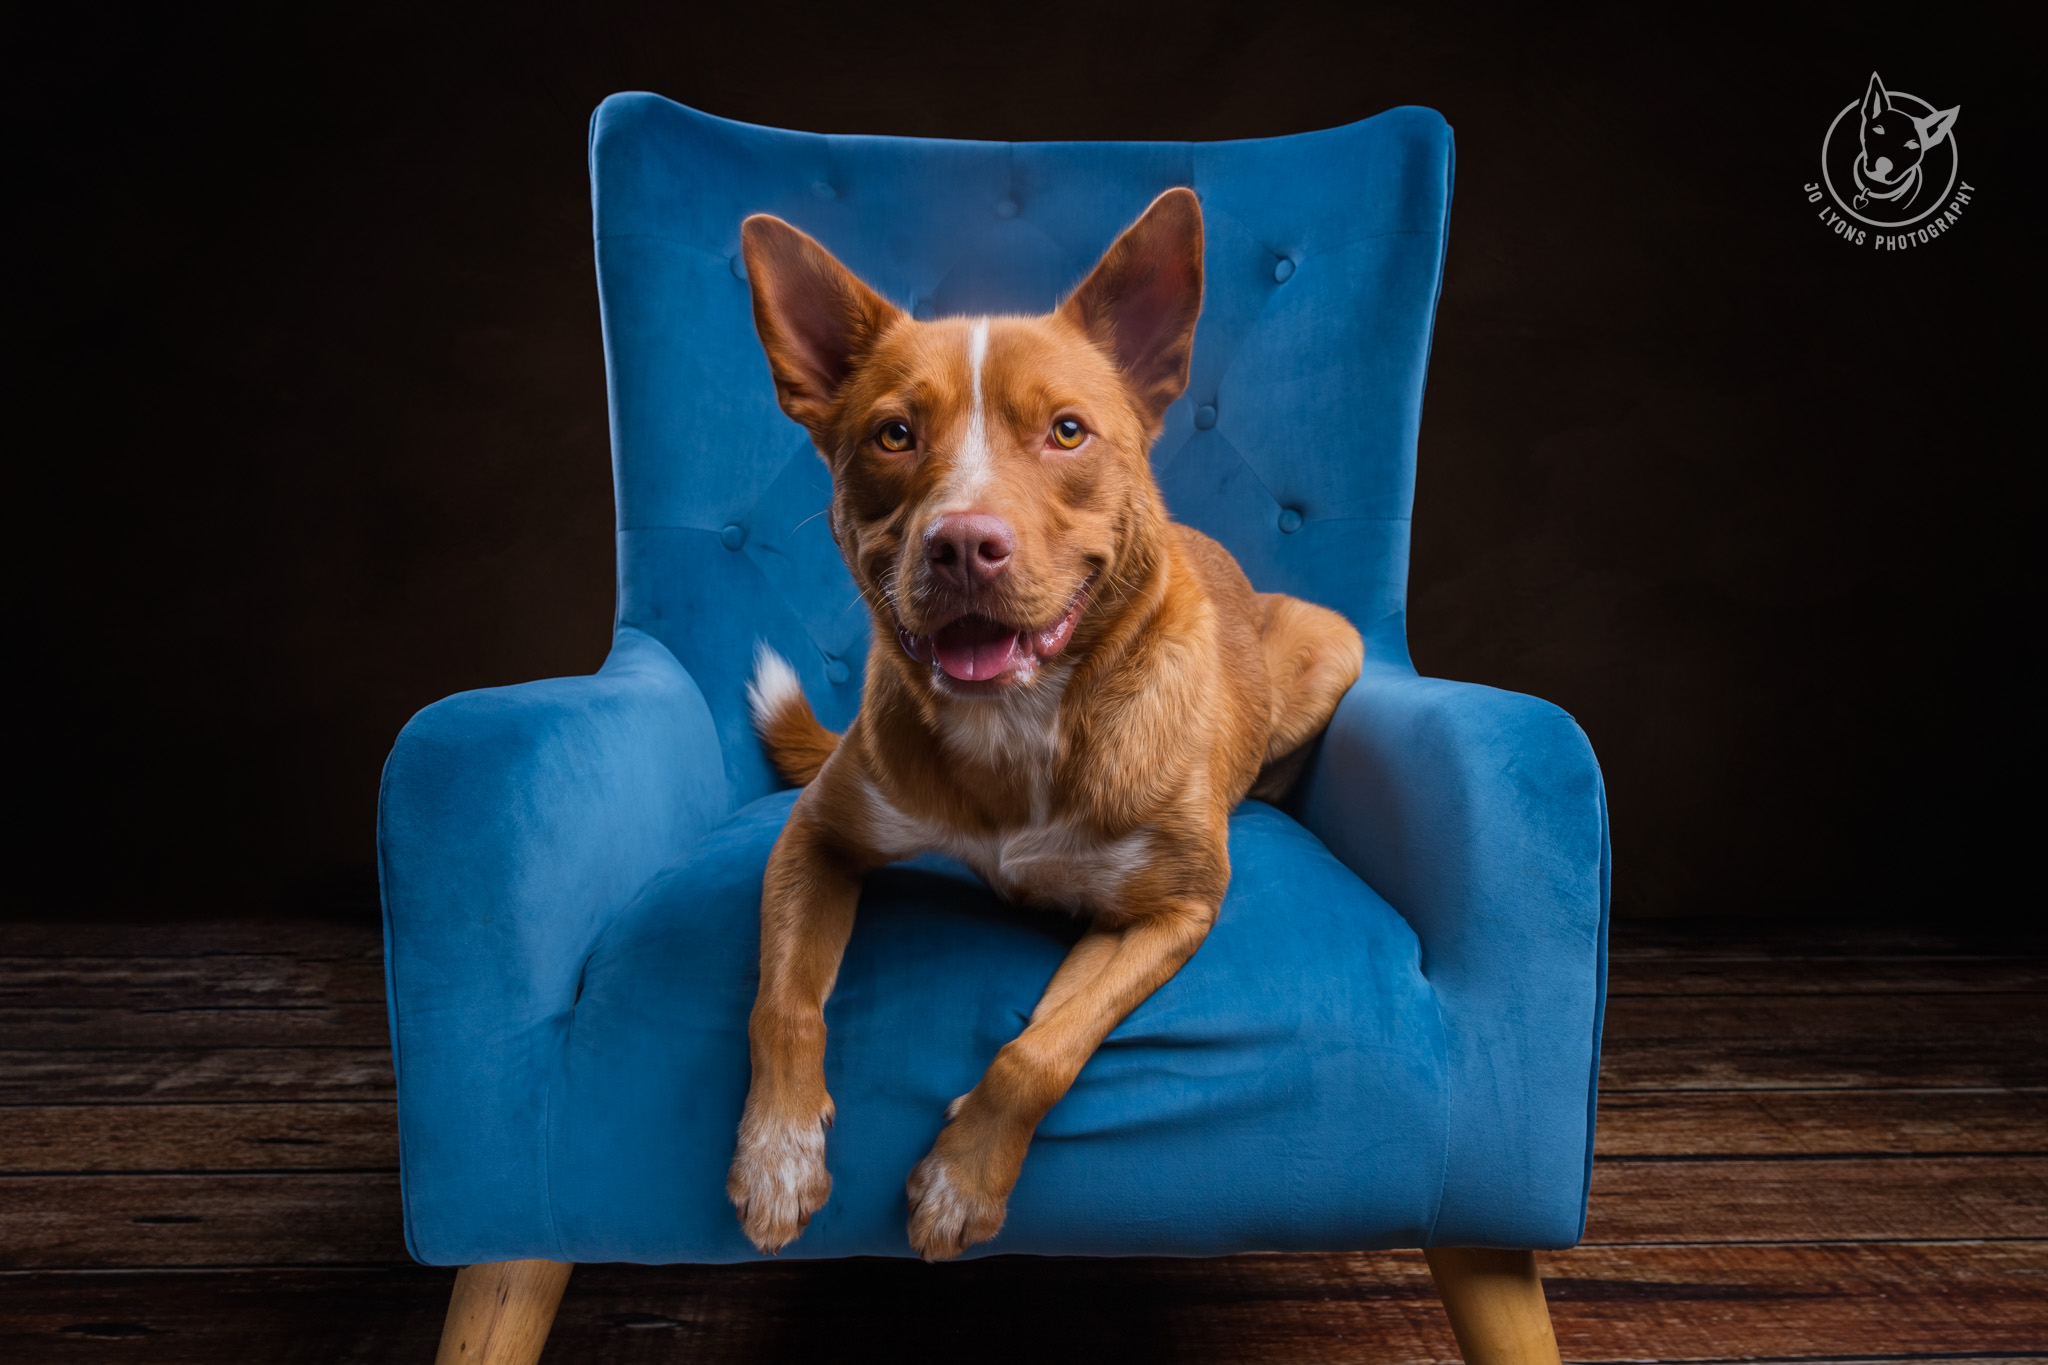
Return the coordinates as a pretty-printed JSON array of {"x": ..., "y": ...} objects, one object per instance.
[
  {"x": 1051, "y": 858},
  {"x": 1056, "y": 863}
]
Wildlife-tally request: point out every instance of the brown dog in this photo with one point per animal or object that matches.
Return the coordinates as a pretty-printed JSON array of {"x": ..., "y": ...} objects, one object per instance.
[{"x": 1079, "y": 693}]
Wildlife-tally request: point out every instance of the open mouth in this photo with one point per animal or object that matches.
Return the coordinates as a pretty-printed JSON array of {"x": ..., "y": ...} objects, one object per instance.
[{"x": 977, "y": 649}]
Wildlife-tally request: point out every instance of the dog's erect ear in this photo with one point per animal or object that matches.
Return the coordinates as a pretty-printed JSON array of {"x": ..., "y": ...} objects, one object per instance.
[
  {"x": 1935, "y": 126},
  {"x": 816, "y": 319},
  {"x": 1875, "y": 100},
  {"x": 1141, "y": 301}
]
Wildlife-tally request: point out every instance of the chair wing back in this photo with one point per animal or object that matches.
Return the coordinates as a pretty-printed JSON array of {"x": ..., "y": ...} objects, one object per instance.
[{"x": 1294, "y": 445}]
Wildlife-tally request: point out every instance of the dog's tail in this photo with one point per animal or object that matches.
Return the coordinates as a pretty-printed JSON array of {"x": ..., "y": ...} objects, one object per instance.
[{"x": 797, "y": 744}]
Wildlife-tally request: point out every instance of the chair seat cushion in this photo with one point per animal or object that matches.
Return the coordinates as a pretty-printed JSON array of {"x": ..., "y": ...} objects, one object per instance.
[{"x": 1285, "y": 1091}]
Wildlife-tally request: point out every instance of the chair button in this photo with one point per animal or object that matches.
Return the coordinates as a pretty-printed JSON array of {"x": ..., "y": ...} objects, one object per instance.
[
  {"x": 733, "y": 536},
  {"x": 739, "y": 266},
  {"x": 1290, "y": 521},
  {"x": 836, "y": 671},
  {"x": 1205, "y": 417},
  {"x": 1006, "y": 208},
  {"x": 1283, "y": 270},
  {"x": 822, "y": 189}
]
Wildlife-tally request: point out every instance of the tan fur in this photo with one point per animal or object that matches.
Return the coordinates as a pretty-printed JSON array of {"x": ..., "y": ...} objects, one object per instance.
[
  {"x": 797, "y": 742},
  {"x": 1312, "y": 658},
  {"x": 1100, "y": 779}
]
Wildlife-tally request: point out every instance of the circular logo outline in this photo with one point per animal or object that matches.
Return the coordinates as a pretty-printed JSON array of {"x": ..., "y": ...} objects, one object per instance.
[{"x": 1955, "y": 168}]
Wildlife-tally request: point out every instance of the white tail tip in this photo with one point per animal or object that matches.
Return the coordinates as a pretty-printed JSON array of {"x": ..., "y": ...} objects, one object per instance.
[{"x": 773, "y": 686}]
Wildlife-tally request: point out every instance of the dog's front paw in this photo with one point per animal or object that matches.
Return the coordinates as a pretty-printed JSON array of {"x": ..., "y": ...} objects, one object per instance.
[
  {"x": 951, "y": 1208},
  {"x": 778, "y": 1177}
]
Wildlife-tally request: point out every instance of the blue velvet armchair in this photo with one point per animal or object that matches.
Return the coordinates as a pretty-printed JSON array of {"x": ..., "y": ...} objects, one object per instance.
[{"x": 1391, "y": 1037}]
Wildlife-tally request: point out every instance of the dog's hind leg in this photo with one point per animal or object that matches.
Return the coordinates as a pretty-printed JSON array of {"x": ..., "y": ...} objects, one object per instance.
[{"x": 1313, "y": 655}]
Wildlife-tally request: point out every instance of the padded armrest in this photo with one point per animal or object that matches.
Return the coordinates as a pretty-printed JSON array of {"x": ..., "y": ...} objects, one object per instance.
[
  {"x": 1480, "y": 816},
  {"x": 514, "y": 823}
]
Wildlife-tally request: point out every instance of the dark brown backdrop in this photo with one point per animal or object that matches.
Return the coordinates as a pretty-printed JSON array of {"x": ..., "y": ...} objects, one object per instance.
[{"x": 311, "y": 411}]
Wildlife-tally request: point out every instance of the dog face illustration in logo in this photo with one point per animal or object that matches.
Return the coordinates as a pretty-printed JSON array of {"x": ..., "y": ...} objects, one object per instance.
[{"x": 1893, "y": 142}]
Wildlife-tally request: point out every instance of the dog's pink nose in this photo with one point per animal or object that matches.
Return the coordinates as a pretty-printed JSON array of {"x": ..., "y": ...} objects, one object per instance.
[{"x": 969, "y": 549}]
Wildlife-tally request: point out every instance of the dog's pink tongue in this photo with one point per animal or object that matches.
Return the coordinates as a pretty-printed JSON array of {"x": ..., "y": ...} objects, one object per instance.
[{"x": 975, "y": 648}]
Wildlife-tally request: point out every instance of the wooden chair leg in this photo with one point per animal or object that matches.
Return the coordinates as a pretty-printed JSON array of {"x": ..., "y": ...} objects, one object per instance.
[
  {"x": 500, "y": 1312},
  {"x": 1494, "y": 1300}
]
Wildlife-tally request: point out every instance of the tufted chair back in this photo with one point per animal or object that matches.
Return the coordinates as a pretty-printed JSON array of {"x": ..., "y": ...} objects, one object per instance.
[{"x": 1294, "y": 444}]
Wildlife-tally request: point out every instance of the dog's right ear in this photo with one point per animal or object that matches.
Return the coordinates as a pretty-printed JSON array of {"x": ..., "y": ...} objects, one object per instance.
[
  {"x": 1876, "y": 100},
  {"x": 815, "y": 318}
]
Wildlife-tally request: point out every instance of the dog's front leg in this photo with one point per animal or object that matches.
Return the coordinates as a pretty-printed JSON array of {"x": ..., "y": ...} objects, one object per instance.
[
  {"x": 778, "y": 1177},
  {"x": 960, "y": 1192}
]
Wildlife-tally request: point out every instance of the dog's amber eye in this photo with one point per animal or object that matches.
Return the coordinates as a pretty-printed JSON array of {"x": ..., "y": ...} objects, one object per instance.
[
  {"x": 894, "y": 436},
  {"x": 1068, "y": 433}
]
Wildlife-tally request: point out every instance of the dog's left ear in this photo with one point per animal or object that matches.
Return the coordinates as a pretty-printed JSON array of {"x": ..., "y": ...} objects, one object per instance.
[
  {"x": 1932, "y": 129},
  {"x": 1877, "y": 101},
  {"x": 1141, "y": 301}
]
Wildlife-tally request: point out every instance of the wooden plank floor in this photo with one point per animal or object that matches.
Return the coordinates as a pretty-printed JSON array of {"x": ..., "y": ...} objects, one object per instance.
[{"x": 1814, "y": 1146}]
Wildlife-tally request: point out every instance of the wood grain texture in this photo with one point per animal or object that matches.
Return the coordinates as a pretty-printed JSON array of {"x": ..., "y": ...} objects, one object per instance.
[
  {"x": 199, "y": 1137},
  {"x": 1821, "y": 1122},
  {"x": 1868, "y": 1300},
  {"x": 1874, "y": 1302},
  {"x": 1664, "y": 976},
  {"x": 1772, "y": 1042},
  {"x": 219, "y": 980},
  {"x": 189, "y": 1220},
  {"x": 355, "y": 1135},
  {"x": 1494, "y": 1300},
  {"x": 499, "y": 1314},
  {"x": 1821, "y": 1200},
  {"x": 126, "y": 1074},
  {"x": 197, "y": 1025},
  {"x": 313, "y": 1217},
  {"x": 1817, "y": 1146}
]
